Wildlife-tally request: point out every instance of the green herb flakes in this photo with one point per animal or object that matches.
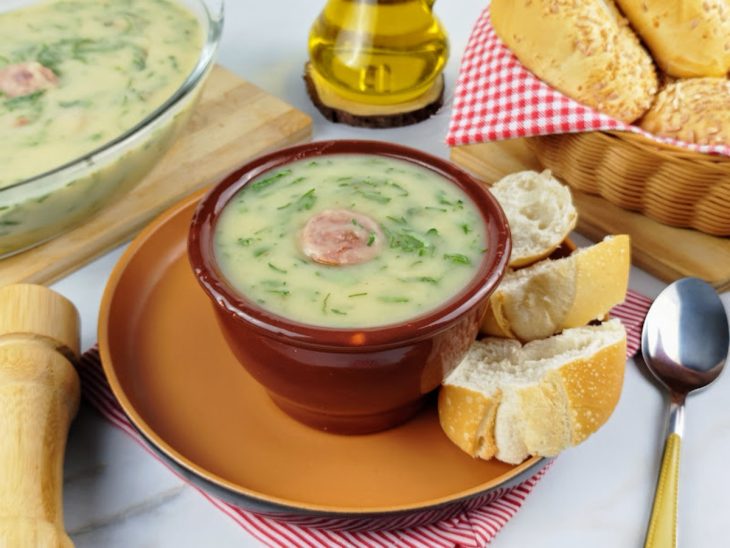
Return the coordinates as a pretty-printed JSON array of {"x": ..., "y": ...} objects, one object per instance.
[
  {"x": 457, "y": 258},
  {"x": 270, "y": 180},
  {"x": 276, "y": 268}
]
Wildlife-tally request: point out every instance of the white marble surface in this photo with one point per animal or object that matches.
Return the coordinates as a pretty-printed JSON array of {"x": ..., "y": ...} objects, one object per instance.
[{"x": 597, "y": 494}]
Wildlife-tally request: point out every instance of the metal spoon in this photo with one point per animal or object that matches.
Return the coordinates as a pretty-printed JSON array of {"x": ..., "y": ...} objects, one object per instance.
[{"x": 684, "y": 344}]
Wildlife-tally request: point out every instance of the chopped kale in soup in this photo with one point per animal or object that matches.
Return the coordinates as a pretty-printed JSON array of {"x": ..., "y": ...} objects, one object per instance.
[{"x": 350, "y": 240}]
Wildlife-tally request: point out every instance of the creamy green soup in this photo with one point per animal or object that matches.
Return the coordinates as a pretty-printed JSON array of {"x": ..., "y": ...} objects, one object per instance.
[
  {"x": 101, "y": 67},
  {"x": 349, "y": 240}
]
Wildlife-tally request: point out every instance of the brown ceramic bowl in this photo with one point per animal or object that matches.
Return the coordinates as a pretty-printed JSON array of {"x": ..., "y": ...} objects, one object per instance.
[{"x": 350, "y": 380}]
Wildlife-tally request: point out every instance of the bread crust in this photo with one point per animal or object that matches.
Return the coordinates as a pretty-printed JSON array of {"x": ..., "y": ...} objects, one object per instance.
[
  {"x": 593, "y": 391},
  {"x": 543, "y": 421},
  {"x": 559, "y": 410},
  {"x": 583, "y": 48},
  {"x": 568, "y": 404},
  {"x": 588, "y": 283},
  {"x": 687, "y": 38},
  {"x": 694, "y": 111},
  {"x": 467, "y": 417},
  {"x": 601, "y": 280}
]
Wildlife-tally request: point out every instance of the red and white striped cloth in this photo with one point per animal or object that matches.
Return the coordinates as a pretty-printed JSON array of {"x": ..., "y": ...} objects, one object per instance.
[
  {"x": 473, "y": 528},
  {"x": 497, "y": 98}
]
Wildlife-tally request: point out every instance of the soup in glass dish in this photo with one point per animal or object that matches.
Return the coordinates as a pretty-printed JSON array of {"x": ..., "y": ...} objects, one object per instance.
[{"x": 92, "y": 94}]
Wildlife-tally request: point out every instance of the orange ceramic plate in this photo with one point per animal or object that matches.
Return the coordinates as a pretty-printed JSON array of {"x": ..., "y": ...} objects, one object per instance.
[{"x": 173, "y": 374}]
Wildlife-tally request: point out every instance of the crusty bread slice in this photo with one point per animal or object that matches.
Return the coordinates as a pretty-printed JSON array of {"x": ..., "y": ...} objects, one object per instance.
[
  {"x": 510, "y": 401},
  {"x": 551, "y": 295},
  {"x": 540, "y": 213}
]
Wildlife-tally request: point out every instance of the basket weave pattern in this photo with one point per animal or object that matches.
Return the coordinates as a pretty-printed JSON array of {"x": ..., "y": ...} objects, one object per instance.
[{"x": 674, "y": 186}]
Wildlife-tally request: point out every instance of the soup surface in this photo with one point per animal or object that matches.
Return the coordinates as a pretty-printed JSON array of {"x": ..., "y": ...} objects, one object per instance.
[
  {"x": 349, "y": 240},
  {"x": 77, "y": 73}
]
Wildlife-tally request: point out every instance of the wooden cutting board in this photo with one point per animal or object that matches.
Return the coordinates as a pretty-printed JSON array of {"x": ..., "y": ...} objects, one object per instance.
[
  {"x": 668, "y": 253},
  {"x": 233, "y": 122}
]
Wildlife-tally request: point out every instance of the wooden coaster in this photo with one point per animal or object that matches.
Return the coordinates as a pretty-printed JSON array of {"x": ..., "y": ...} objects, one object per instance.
[{"x": 340, "y": 110}]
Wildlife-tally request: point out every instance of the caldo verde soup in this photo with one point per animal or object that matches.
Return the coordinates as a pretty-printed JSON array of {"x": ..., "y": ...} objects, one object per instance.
[
  {"x": 77, "y": 73},
  {"x": 349, "y": 240}
]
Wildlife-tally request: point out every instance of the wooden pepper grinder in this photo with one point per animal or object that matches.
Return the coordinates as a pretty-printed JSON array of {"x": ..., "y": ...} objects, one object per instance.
[{"x": 39, "y": 396}]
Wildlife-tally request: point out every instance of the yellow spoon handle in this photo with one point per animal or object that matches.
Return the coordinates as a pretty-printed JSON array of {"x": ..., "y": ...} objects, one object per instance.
[{"x": 662, "y": 532}]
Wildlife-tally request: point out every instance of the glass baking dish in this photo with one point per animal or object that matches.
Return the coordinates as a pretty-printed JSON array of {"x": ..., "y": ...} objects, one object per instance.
[{"x": 41, "y": 207}]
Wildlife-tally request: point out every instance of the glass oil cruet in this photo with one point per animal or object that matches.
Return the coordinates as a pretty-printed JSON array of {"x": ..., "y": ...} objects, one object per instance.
[{"x": 378, "y": 52}]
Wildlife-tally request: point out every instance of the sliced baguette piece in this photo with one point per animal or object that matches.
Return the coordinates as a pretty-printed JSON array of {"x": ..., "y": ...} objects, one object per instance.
[
  {"x": 510, "y": 401},
  {"x": 540, "y": 213},
  {"x": 551, "y": 295}
]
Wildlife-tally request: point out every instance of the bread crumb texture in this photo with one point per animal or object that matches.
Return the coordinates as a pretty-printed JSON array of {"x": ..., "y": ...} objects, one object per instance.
[
  {"x": 535, "y": 399},
  {"x": 540, "y": 213},
  {"x": 534, "y": 300},
  {"x": 551, "y": 295}
]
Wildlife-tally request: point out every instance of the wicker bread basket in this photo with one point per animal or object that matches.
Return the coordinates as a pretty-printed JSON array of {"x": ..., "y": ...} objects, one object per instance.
[{"x": 672, "y": 185}]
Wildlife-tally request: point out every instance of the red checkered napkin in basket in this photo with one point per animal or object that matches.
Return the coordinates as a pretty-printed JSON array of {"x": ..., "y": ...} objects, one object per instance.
[
  {"x": 497, "y": 98},
  {"x": 473, "y": 528}
]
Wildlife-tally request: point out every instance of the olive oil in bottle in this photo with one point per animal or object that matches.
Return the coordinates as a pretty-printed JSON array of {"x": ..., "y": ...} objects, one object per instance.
[{"x": 378, "y": 52}]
